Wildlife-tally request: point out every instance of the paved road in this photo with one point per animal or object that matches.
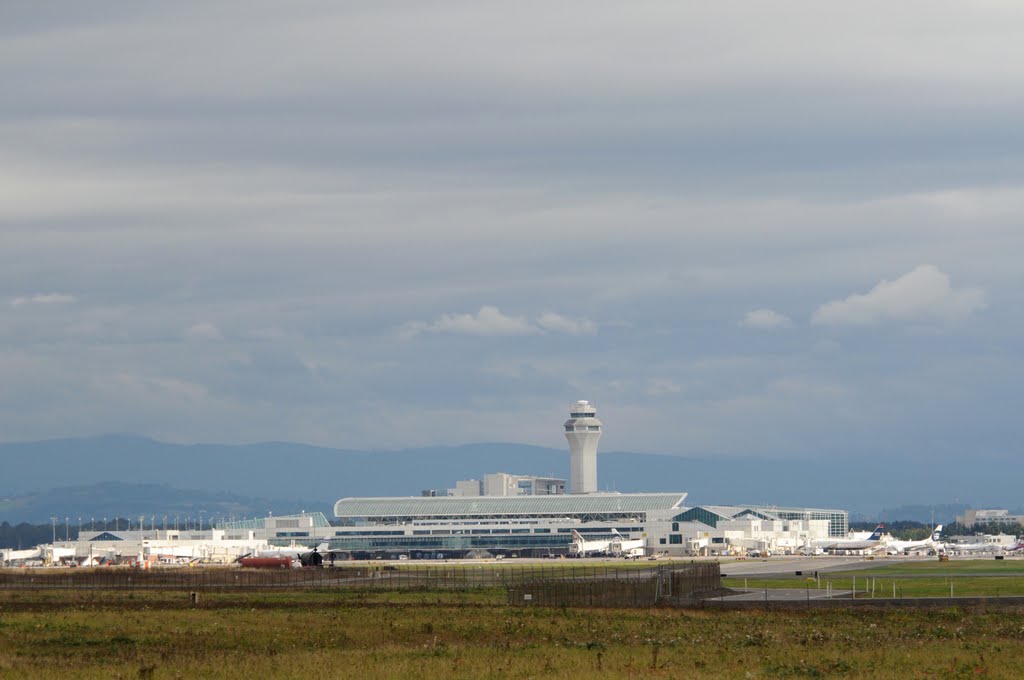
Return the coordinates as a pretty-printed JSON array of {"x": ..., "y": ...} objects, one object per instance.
[{"x": 787, "y": 566}]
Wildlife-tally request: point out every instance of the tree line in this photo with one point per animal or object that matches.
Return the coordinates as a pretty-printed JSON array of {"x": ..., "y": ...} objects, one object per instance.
[
  {"x": 918, "y": 531},
  {"x": 25, "y": 535}
]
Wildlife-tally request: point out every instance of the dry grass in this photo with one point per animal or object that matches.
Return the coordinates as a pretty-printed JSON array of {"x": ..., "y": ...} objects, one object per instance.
[{"x": 473, "y": 635}]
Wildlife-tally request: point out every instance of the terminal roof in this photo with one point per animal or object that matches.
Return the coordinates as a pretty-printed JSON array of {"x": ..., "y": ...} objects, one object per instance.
[{"x": 571, "y": 505}]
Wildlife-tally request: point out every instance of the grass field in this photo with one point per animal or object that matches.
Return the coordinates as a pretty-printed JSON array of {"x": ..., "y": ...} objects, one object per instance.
[
  {"x": 968, "y": 578},
  {"x": 427, "y": 635}
]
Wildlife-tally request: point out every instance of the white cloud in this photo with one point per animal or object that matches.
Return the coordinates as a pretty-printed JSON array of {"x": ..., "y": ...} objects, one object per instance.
[
  {"x": 765, "y": 319},
  {"x": 557, "y": 323},
  {"x": 488, "y": 321},
  {"x": 204, "y": 331},
  {"x": 491, "y": 321},
  {"x": 661, "y": 387},
  {"x": 44, "y": 299},
  {"x": 924, "y": 294}
]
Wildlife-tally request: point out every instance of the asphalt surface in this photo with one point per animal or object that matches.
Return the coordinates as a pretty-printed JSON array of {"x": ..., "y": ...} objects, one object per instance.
[
  {"x": 785, "y": 595},
  {"x": 788, "y": 566}
]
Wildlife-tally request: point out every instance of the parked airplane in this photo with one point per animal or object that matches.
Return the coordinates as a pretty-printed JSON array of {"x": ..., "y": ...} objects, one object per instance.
[
  {"x": 872, "y": 541},
  {"x": 580, "y": 547},
  {"x": 625, "y": 547},
  {"x": 983, "y": 546},
  {"x": 11, "y": 555},
  {"x": 933, "y": 541},
  {"x": 301, "y": 553}
]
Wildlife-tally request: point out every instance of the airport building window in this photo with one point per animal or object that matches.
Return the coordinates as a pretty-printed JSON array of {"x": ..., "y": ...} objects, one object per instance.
[
  {"x": 699, "y": 514},
  {"x": 675, "y": 526},
  {"x": 675, "y": 539},
  {"x": 661, "y": 541}
]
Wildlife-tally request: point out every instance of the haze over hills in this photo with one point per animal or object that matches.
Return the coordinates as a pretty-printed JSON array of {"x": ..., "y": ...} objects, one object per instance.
[{"x": 281, "y": 477}]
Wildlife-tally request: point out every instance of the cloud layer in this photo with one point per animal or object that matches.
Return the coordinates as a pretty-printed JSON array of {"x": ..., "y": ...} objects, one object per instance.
[{"x": 390, "y": 224}]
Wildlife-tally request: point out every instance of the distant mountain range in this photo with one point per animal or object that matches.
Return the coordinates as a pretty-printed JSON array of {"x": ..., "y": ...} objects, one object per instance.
[
  {"x": 92, "y": 503},
  {"x": 99, "y": 475}
]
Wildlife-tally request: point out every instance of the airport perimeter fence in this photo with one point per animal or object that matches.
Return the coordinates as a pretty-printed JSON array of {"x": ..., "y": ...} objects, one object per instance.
[
  {"x": 670, "y": 584},
  {"x": 371, "y": 577}
]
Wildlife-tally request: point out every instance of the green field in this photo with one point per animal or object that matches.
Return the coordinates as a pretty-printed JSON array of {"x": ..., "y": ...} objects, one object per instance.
[
  {"x": 425, "y": 635},
  {"x": 968, "y": 578}
]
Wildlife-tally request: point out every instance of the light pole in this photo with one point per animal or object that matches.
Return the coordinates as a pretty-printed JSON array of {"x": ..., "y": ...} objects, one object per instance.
[
  {"x": 67, "y": 521},
  {"x": 53, "y": 521}
]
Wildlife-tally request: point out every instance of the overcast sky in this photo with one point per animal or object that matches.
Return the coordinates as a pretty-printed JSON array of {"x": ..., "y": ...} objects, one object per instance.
[{"x": 786, "y": 229}]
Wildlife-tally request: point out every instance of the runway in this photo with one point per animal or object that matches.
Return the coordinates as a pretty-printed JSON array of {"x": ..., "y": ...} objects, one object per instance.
[
  {"x": 788, "y": 566},
  {"x": 786, "y": 595}
]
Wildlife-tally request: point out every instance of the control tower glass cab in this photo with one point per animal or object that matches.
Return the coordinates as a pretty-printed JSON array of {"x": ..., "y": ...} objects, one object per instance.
[{"x": 583, "y": 429}]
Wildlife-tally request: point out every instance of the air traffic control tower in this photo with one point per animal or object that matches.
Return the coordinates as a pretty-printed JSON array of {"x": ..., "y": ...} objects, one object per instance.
[{"x": 583, "y": 429}]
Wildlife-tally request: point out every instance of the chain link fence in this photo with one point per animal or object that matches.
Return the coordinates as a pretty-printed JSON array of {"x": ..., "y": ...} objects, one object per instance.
[
  {"x": 669, "y": 584},
  {"x": 384, "y": 577}
]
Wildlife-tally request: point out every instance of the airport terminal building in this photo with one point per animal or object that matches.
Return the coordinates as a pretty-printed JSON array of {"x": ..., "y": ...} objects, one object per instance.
[
  {"x": 522, "y": 525},
  {"x": 532, "y": 526}
]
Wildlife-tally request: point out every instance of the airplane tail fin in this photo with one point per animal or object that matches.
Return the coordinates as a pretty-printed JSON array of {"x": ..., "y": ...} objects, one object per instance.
[
  {"x": 877, "y": 534},
  {"x": 616, "y": 532},
  {"x": 937, "y": 534},
  {"x": 576, "y": 536}
]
